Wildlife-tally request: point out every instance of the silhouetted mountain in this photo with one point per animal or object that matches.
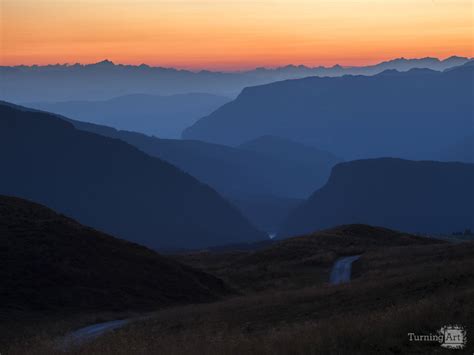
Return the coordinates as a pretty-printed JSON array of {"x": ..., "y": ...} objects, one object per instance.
[
  {"x": 50, "y": 263},
  {"x": 112, "y": 186},
  {"x": 256, "y": 169},
  {"x": 105, "y": 80},
  {"x": 404, "y": 64},
  {"x": 413, "y": 115},
  {"x": 163, "y": 116},
  {"x": 413, "y": 196},
  {"x": 469, "y": 63},
  {"x": 265, "y": 186}
]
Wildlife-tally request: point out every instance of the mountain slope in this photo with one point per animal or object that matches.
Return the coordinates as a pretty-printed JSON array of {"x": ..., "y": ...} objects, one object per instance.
[
  {"x": 111, "y": 186},
  {"x": 413, "y": 196},
  {"x": 51, "y": 263},
  {"x": 267, "y": 167},
  {"x": 412, "y": 115},
  {"x": 286, "y": 149},
  {"x": 265, "y": 179},
  {"x": 315, "y": 163},
  {"x": 267, "y": 212},
  {"x": 163, "y": 116}
]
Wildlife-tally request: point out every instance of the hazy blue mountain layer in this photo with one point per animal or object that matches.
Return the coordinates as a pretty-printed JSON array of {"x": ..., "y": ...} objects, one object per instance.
[{"x": 109, "y": 185}]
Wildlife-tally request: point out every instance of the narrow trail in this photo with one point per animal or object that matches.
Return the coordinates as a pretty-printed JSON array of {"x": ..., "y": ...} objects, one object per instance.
[
  {"x": 341, "y": 271},
  {"x": 91, "y": 332}
]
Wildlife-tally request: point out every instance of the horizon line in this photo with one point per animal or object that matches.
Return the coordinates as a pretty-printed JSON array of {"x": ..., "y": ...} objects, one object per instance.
[{"x": 203, "y": 69}]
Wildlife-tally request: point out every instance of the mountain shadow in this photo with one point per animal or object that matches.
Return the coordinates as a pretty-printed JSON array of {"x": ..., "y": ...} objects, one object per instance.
[{"x": 109, "y": 185}]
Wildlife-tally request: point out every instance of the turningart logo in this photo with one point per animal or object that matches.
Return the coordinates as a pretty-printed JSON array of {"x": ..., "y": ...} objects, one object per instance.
[{"x": 449, "y": 337}]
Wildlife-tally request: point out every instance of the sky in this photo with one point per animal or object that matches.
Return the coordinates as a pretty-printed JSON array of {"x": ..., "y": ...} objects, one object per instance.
[{"x": 232, "y": 35}]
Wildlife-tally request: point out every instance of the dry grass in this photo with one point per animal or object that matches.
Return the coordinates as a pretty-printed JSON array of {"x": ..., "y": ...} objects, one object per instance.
[
  {"x": 376, "y": 332},
  {"x": 399, "y": 290},
  {"x": 298, "y": 262}
]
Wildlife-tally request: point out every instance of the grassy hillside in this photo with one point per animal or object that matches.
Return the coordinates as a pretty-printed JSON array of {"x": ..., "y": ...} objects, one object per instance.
[
  {"x": 296, "y": 262},
  {"x": 397, "y": 290},
  {"x": 53, "y": 266}
]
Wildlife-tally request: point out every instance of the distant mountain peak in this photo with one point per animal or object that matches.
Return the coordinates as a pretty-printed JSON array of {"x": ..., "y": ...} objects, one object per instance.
[
  {"x": 395, "y": 60},
  {"x": 413, "y": 60},
  {"x": 104, "y": 63},
  {"x": 455, "y": 58}
]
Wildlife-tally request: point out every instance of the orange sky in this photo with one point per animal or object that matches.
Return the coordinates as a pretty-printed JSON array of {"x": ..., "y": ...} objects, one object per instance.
[{"x": 231, "y": 34}]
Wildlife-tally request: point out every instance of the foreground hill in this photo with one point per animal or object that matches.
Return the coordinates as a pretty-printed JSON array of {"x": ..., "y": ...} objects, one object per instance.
[
  {"x": 411, "y": 289},
  {"x": 50, "y": 263},
  {"x": 112, "y": 186},
  {"x": 163, "y": 116},
  {"x": 412, "y": 114},
  {"x": 414, "y": 196},
  {"x": 298, "y": 261}
]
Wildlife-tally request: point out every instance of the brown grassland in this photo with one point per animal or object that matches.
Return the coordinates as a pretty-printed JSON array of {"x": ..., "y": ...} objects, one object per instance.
[{"x": 416, "y": 286}]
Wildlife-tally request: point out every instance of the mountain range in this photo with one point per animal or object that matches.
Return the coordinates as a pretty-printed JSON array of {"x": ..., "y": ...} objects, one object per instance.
[
  {"x": 255, "y": 168},
  {"x": 162, "y": 116},
  {"x": 112, "y": 186},
  {"x": 414, "y": 114},
  {"x": 265, "y": 178},
  {"x": 413, "y": 196},
  {"x": 105, "y": 80}
]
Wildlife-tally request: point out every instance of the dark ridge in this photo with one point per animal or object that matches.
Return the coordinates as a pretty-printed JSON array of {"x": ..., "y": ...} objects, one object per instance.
[
  {"x": 112, "y": 186},
  {"x": 50, "y": 263},
  {"x": 413, "y": 196}
]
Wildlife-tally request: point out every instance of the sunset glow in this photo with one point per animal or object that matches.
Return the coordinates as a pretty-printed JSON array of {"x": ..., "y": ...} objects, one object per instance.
[{"x": 229, "y": 34}]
